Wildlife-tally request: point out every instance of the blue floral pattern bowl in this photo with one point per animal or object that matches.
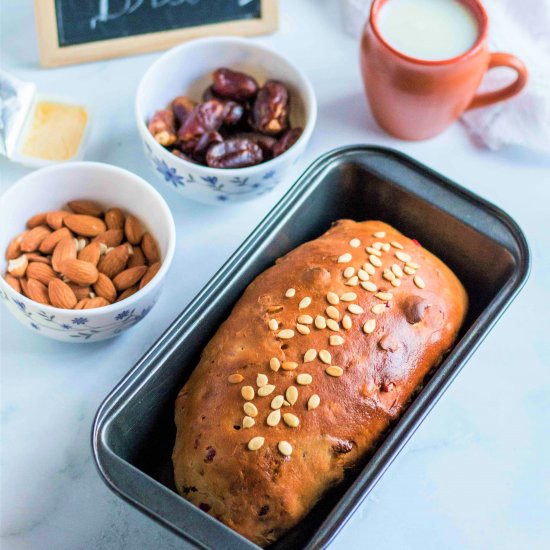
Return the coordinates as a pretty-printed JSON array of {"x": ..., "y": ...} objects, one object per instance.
[
  {"x": 161, "y": 83},
  {"x": 74, "y": 325},
  {"x": 51, "y": 188}
]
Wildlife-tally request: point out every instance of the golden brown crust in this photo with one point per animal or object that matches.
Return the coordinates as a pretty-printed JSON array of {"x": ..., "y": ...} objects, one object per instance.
[{"x": 262, "y": 493}]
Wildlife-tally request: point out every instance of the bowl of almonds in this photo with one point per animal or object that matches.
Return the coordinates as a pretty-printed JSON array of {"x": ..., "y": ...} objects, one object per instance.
[{"x": 87, "y": 246}]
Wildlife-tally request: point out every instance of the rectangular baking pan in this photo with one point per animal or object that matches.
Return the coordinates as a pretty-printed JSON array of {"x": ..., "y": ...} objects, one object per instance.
[{"x": 134, "y": 430}]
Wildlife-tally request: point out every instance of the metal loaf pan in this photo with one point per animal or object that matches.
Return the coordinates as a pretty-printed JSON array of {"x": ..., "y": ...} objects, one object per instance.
[{"x": 134, "y": 430}]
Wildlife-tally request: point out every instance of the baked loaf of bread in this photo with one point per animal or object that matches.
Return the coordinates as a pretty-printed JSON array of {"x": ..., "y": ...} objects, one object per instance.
[{"x": 318, "y": 357}]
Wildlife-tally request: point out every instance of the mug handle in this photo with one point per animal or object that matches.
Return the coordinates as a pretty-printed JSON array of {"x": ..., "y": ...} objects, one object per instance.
[{"x": 502, "y": 60}]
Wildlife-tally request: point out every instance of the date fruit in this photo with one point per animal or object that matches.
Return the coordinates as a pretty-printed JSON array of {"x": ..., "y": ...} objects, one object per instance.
[
  {"x": 205, "y": 117},
  {"x": 234, "y": 153},
  {"x": 286, "y": 141},
  {"x": 237, "y": 123},
  {"x": 233, "y": 85},
  {"x": 232, "y": 113},
  {"x": 182, "y": 106},
  {"x": 163, "y": 127},
  {"x": 266, "y": 143},
  {"x": 270, "y": 110}
]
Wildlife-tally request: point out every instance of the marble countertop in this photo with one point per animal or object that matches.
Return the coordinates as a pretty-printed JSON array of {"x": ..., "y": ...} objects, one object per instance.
[{"x": 477, "y": 472}]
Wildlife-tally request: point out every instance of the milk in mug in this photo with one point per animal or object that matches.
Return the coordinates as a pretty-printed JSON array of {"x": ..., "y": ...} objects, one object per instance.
[{"x": 432, "y": 30}]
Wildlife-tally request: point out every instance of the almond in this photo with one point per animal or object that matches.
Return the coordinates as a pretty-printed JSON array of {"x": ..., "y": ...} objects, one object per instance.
[
  {"x": 129, "y": 277},
  {"x": 114, "y": 218},
  {"x": 55, "y": 219},
  {"x": 80, "y": 292},
  {"x": 87, "y": 207},
  {"x": 95, "y": 302},
  {"x": 133, "y": 229},
  {"x": 24, "y": 287},
  {"x": 105, "y": 288},
  {"x": 65, "y": 249},
  {"x": 41, "y": 272},
  {"x": 137, "y": 258},
  {"x": 48, "y": 244},
  {"x": 150, "y": 248},
  {"x": 111, "y": 237},
  {"x": 18, "y": 266},
  {"x": 90, "y": 253},
  {"x": 114, "y": 262},
  {"x": 151, "y": 272},
  {"x": 61, "y": 294},
  {"x": 36, "y": 257},
  {"x": 13, "y": 282},
  {"x": 79, "y": 272},
  {"x": 81, "y": 303},
  {"x": 33, "y": 239},
  {"x": 37, "y": 291},
  {"x": 127, "y": 293},
  {"x": 14, "y": 250},
  {"x": 87, "y": 226},
  {"x": 36, "y": 220}
]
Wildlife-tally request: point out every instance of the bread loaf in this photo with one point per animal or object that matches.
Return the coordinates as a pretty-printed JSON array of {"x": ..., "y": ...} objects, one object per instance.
[{"x": 319, "y": 356}]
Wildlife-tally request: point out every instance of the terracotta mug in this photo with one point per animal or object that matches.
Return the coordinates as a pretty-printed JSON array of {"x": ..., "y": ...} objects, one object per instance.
[{"x": 417, "y": 99}]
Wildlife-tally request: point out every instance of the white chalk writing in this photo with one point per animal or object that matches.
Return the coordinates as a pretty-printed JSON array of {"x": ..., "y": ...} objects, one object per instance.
[{"x": 109, "y": 10}]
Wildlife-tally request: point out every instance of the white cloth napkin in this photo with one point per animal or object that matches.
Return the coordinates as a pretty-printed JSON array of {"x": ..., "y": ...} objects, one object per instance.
[{"x": 521, "y": 28}]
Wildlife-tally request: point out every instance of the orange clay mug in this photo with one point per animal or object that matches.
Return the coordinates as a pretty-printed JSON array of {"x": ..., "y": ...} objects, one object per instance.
[{"x": 416, "y": 99}]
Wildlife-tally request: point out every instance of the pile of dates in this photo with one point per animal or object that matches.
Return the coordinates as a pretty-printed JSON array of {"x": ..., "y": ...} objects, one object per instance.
[{"x": 237, "y": 123}]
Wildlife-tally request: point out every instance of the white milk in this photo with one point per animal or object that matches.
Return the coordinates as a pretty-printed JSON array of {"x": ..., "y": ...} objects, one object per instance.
[{"x": 428, "y": 29}]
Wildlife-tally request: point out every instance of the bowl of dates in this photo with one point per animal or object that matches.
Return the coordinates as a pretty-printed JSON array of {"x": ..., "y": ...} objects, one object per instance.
[{"x": 223, "y": 119}]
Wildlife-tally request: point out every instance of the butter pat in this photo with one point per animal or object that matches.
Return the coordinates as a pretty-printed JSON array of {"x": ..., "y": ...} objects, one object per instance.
[{"x": 56, "y": 131}]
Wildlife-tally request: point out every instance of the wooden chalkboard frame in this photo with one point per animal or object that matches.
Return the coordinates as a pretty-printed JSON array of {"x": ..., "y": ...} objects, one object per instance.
[{"x": 52, "y": 55}]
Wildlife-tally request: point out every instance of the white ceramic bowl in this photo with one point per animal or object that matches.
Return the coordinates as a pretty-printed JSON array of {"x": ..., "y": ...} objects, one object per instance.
[
  {"x": 186, "y": 69},
  {"x": 50, "y": 189}
]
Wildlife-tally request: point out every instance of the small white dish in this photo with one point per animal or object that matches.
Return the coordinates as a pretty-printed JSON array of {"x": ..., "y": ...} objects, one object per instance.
[
  {"x": 21, "y": 110},
  {"x": 50, "y": 189},
  {"x": 186, "y": 69}
]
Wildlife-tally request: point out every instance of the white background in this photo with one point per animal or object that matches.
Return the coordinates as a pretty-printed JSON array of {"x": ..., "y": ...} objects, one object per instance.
[{"x": 475, "y": 475}]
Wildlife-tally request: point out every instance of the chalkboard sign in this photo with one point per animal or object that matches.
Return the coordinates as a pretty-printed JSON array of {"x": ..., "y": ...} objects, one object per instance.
[{"x": 73, "y": 31}]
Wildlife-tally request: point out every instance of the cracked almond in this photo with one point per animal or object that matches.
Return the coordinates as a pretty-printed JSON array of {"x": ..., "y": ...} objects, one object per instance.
[{"x": 18, "y": 266}]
